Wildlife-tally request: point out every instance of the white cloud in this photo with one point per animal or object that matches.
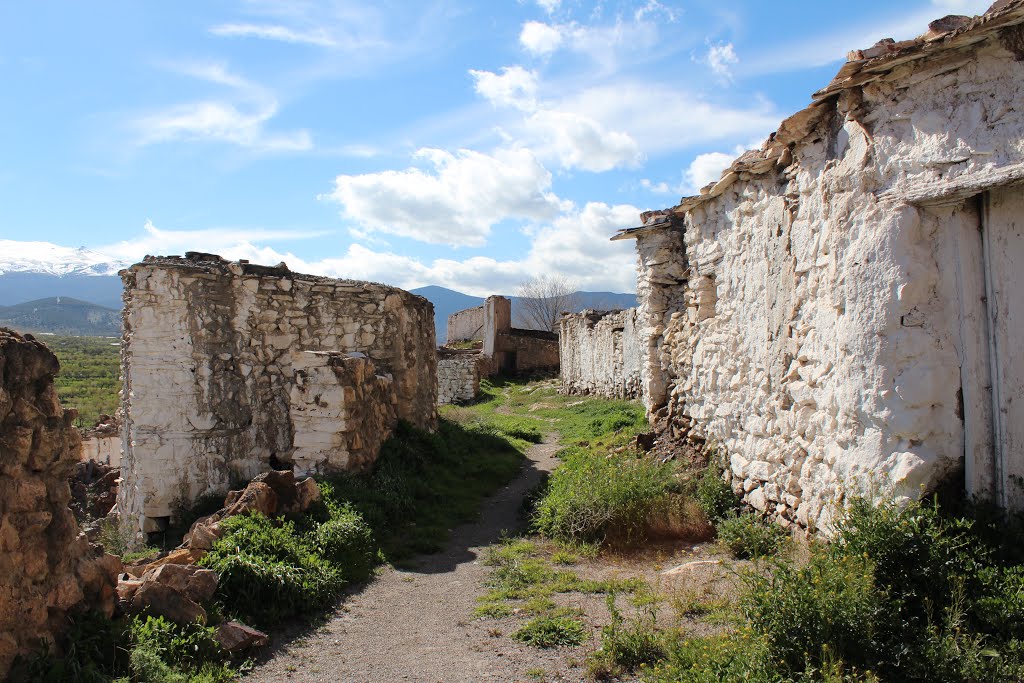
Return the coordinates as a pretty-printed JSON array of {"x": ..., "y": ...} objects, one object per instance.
[
  {"x": 707, "y": 168},
  {"x": 220, "y": 122},
  {"x": 578, "y": 141},
  {"x": 514, "y": 87},
  {"x": 539, "y": 38},
  {"x": 239, "y": 118},
  {"x": 663, "y": 119},
  {"x": 549, "y": 6},
  {"x": 456, "y": 201},
  {"x": 233, "y": 243},
  {"x": 656, "y": 188},
  {"x": 721, "y": 57},
  {"x": 319, "y": 38}
]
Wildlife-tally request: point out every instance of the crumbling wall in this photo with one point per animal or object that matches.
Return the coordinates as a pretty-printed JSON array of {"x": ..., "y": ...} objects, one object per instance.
[
  {"x": 529, "y": 350},
  {"x": 813, "y": 329},
  {"x": 601, "y": 354},
  {"x": 102, "y": 443},
  {"x": 208, "y": 365},
  {"x": 458, "y": 375},
  {"x": 47, "y": 567},
  {"x": 466, "y": 325}
]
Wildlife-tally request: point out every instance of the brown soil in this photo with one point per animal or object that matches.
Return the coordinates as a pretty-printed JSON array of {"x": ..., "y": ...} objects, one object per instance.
[{"x": 417, "y": 624}]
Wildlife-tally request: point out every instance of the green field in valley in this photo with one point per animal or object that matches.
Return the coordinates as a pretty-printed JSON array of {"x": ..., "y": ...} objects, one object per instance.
[{"x": 88, "y": 378}]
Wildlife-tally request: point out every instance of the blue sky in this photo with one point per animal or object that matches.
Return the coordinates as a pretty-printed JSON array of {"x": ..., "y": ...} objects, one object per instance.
[{"x": 466, "y": 144}]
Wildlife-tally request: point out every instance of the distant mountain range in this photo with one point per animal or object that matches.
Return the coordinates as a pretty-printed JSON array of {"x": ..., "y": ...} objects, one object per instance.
[
  {"x": 62, "y": 315},
  {"x": 35, "y": 289}
]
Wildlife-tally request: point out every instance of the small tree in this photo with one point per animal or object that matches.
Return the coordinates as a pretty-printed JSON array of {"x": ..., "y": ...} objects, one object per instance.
[{"x": 543, "y": 299}]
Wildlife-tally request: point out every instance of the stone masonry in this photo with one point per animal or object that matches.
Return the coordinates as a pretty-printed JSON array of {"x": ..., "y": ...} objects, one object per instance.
[
  {"x": 601, "y": 354},
  {"x": 232, "y": 369},
  {"x": 47, "y": 566},
  {"x": 840, "y": 313},
  {"x": 458, "y": 375}
]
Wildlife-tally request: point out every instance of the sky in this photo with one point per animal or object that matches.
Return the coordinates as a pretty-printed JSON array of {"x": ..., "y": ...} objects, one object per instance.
[{"x": 471, "y": 145}]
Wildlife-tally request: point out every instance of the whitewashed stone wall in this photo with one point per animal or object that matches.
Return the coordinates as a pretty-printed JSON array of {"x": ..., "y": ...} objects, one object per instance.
[
  {"x": 209, "y": 364},
  {"x": 466, "y": 325},
  {"x": 458, "y": 375},
  {"x": 601, "y": 354},
  {"x": 809, "y": 314},
  {"x": 341, "y": 411},
  {"x": 105, "y": 449}
]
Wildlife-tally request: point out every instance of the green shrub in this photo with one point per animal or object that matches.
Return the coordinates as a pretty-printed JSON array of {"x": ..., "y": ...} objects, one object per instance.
[
  {"x": 750, "y": 535},
  {"x": 92, "y": 653},
  {"x": 714, "y": 496},
  {"x": 268, "y": 572},
  {"x": 806, "y": 615},
  {"x": 593, "y": 499},
  {"x": 347, "y": 542},
  {"x": 552, "y": 631},
  {"x": 189, "y": 646}
]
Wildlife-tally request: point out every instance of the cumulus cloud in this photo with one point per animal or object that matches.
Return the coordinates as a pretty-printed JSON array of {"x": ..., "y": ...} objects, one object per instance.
[
  {"x": 456, "y": 200},
  {"x": 721, "y": 57},
  {"x": 539, "y": 38},
  {"x": 707, "y": 168},
  {"x": 577, "y": 141},
  {"x": 514, "y": 87},
  {"x": 318, "y": 37}
]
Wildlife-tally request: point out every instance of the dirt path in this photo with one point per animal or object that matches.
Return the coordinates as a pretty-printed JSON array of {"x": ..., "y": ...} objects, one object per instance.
[{"x": 416, "y": 625}]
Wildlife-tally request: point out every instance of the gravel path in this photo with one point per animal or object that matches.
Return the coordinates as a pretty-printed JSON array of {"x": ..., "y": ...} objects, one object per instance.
[{"x": 416, "y": 625}]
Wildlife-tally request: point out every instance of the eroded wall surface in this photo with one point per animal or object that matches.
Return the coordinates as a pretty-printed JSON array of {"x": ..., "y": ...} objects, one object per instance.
[
  {"x": 466, "y": 325},
  {"x": 601, "y": 354},
  {"x": 458, "y": 375},
  {"x": 808, "y": 314},
  {"x": 47, "y": 567},
  {"x": 217, "y": 387}
]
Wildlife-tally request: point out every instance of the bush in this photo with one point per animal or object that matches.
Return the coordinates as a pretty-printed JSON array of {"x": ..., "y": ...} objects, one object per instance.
[
  {"x": 750, "y": 535},
  {"x": 552, "y": 631},
  {"x": 714, "y": 496},
  {"x": 614, "y": 498},
  {"x": 347, "y": 542},
  {"x": 268, "y": 572}
]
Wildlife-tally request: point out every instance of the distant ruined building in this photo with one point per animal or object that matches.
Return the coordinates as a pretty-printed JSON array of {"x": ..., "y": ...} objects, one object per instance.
[
  {"x": 843, "y": 310},
  {"x": 230, "y": 369},
  {"x": 502, "y": 348}
]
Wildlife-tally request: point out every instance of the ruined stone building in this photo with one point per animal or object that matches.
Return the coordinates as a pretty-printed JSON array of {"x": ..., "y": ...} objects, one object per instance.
[
  {"x": 503, "y": 348},
  {"x": 843, "y": 308},
  {"x": 47, "y": 567},
  {"x": 230, "y": 369},
  {"x": 601, "y": 353}
]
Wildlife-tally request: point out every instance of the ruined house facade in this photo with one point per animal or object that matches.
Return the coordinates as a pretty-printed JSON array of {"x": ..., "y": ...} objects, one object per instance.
[
  {"x": 601, "y": 353},
  {"x": 230, "y": 369},
  {"x": 503, "y": 348},
  {"x": 841, "y": 311}
]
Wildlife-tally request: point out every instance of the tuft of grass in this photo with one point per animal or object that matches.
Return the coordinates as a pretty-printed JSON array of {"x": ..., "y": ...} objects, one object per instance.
[
  {"x": 552, "y": 631},
  {"x": 627, "y": 647}
]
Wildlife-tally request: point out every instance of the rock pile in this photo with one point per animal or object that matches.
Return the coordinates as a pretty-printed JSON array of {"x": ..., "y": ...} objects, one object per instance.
[{"x": 47, "y": 566}]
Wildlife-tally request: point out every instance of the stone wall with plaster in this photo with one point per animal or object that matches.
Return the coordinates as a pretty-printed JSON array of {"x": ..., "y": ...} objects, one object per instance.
[
  {"x": 47, "y": 566},
  {"x": 466, "y": 325},
  {"x": 102, "y": 443},
  {"x": 601, "y": 354},
  {"x": 458, "y": 375},
  {"x": 217, "y": 387},
  {"x": 819, "y": 313}
]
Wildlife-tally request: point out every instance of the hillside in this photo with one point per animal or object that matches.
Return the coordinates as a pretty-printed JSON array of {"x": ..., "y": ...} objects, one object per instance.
[{"x": 62, "y": 315}]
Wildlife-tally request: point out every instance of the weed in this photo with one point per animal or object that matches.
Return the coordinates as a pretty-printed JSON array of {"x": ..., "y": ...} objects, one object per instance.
[
  {"x": 714, "y": 496},
  {"x": 750, "y": 535},
  {"x": 626, "y": 647},
  {"x": 548, "y": 632}
]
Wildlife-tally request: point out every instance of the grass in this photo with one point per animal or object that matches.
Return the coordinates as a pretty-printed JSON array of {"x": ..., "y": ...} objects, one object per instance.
[
  {"x": 88, "y": 379},
  {"x": 552, "y": 631}
]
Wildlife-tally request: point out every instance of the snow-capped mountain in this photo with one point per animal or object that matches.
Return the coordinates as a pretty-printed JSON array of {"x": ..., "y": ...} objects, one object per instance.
[{"x": 53, "y": 259}]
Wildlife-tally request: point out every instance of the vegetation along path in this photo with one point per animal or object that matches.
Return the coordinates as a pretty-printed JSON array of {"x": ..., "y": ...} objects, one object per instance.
[{"x": 414, "y": 624}]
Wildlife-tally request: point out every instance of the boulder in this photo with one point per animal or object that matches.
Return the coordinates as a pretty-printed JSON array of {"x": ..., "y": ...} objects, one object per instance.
[
  {"x": 234, "y": 636},
  {"x": 307, "y": 492},
  {"x": 282, "y": 482},
  {"x": 258, "y": 497},
  {"x": 160, "y": 599}
]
